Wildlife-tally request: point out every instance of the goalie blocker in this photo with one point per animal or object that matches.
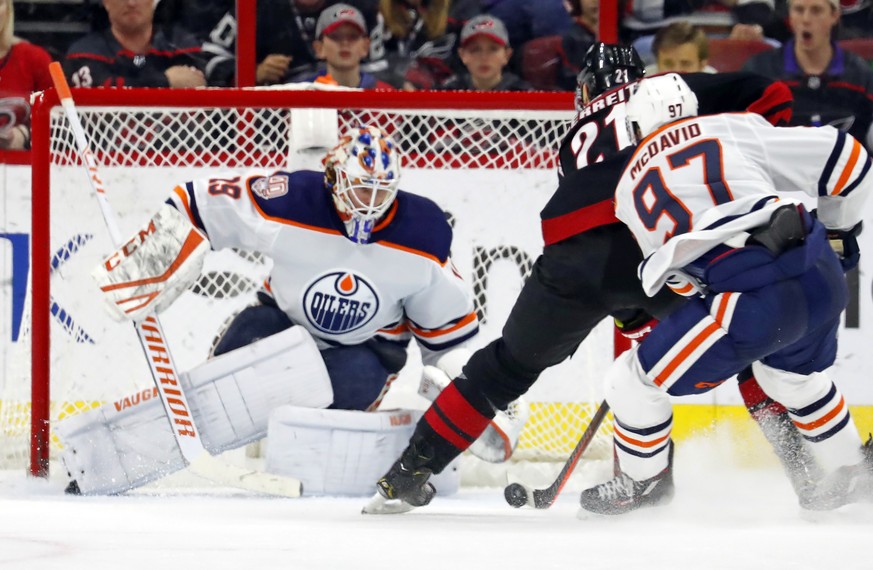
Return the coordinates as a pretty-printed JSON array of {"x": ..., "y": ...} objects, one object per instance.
[{"x": 128, "y": 443}]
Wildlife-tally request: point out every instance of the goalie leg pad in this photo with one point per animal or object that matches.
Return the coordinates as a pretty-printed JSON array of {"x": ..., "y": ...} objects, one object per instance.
[
  {"x": 342, "y": 452},
  {"x": 231, "y": 396},
  {"x": 120, "y": 445}
]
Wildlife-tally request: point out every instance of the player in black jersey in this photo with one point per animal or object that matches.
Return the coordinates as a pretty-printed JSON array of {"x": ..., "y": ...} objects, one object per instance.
[{"x": 587, "y": 271}]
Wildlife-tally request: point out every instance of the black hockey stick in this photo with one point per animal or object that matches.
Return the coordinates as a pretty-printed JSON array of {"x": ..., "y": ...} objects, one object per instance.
[{"x": 519, "y": 495}]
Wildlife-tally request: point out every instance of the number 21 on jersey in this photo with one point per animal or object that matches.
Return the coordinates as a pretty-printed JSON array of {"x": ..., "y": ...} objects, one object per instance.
[{"x": 594, "y": 137}]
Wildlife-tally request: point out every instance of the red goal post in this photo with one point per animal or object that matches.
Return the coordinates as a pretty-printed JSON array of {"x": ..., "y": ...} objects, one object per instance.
[{"x": 488, "y": 159}]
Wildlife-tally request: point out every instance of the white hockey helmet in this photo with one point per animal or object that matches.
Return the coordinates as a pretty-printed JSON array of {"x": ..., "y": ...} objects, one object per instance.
[
  {"x": 362, "y": 172},
  {"x": 657, "y": 101}
]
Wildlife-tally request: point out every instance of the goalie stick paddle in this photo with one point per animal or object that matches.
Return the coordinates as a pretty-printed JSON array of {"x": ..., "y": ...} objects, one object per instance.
[
  {"x": 153, "y": 341},
  {"x": 519, "y": 495}
]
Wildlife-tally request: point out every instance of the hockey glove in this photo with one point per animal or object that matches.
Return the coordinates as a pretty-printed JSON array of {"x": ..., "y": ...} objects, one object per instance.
[
  {"x": 407, "y": 480},
  {"x": 845, "y": 244},
  {"x": 637, "y": 327}
]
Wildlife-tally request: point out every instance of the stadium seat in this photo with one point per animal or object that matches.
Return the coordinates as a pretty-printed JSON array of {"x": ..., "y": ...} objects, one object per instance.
[
  {"x": 730, "y": 55},
  {"x": 540, "y": 62},
  {"x": 860, "y": 46}
]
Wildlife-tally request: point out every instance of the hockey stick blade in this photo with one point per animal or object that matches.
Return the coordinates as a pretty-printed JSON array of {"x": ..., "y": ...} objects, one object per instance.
[
  {"x": 379, "y": 505},
  {"x": 519, "y": 495},
  {"x": 223, "y": 473}
]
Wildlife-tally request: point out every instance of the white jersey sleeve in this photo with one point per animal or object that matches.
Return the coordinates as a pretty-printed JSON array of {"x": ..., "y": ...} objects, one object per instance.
[
  {"x": 821, "y": 161},
  {"x": 426, "y": 313},
  {"x": 702, "y": 181},
  {"x": 222, "y": 207}
]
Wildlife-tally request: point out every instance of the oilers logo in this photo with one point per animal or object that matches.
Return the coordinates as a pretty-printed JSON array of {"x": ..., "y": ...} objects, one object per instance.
[{"x": 340, "y": 302}]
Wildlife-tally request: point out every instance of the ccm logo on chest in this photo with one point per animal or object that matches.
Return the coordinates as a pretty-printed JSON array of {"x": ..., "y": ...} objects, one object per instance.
[{"x": 340, "y": 302}]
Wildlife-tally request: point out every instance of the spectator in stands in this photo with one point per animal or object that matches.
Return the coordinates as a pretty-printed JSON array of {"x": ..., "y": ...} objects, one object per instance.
[
  {"x": 420, "y": 40},
  {"x": 737, "y": 19},
  {"x": 23, "y": 70},
  {"x": 135, "y": 52},
  {"x": 485, "y": 51},
  {"x": 575, "y": 42},
  {"x": 682, "y": 48},
  {"x": 286, "y": 32},
  {"x": 342, "y": 42},
  {"x": 213, "y": 24},
  {"x": 830, "y": 86},
  {"x": 526, "y": 20}
]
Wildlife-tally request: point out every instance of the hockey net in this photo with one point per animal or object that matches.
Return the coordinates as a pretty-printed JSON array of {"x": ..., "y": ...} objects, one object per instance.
[{"x": 488, "y": 160}]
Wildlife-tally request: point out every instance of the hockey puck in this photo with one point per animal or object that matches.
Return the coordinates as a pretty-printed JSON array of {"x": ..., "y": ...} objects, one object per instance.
[{"x": 516, "y": 495}]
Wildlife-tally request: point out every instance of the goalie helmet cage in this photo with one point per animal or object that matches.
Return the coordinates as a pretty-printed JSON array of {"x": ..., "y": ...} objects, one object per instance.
[{"x": 488, "y": 159}]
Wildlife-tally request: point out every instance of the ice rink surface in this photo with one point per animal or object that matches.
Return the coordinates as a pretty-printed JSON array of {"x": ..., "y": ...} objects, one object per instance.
[{"x": 723, "y": 517}]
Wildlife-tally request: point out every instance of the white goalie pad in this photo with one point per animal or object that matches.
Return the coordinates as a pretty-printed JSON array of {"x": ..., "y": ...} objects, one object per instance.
[
  {"x": 343, "y": 452},
  {"x": 152, "y": 268},
  {"x": 231, "y": 395},
  {"x": 128, "y": 443},
  {"x": 500, "y": 438},
  {"x": 120, "y": 445}
]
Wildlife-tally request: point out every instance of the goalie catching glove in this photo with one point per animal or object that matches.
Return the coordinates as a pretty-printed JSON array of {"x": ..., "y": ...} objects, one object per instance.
[{"x": 154, "y": 267}]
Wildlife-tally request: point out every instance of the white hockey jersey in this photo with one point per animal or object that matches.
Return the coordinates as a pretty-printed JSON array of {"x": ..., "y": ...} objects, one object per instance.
[
  {"x": 401, "y": 284},
  {"x": 702, "y": 181}
]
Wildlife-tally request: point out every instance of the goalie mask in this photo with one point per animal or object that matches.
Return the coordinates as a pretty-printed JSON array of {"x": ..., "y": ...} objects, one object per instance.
[
  {"x": 362, "y": 172},
  {"x": 605, "y": 66},
  {"x": 658, "y": 101}
]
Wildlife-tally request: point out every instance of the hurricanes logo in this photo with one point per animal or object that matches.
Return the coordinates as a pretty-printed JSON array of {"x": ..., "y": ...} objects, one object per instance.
[{"x": 340, "y": 302}]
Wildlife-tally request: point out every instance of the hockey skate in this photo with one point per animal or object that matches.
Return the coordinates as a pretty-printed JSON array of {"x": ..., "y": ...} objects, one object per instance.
[
  {"x": 622, "y": 494},
  {"x": 849, "y": 484}
]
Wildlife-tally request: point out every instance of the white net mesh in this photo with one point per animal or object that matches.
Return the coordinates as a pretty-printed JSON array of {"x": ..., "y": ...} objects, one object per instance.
[{"x": 492, "y": 171}]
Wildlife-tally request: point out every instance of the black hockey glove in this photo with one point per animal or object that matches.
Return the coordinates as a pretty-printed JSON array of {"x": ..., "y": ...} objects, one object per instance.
[
  {"x": 845, "y": 243},
  {"x": 407, "y": 479}
]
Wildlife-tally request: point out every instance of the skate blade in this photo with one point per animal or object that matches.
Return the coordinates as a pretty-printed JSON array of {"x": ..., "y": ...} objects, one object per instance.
[{"x": 379, "y": 505}]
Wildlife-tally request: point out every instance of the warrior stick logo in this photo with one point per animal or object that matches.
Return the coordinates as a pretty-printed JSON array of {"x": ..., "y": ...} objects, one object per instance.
[{"x": 340, "y": 302}]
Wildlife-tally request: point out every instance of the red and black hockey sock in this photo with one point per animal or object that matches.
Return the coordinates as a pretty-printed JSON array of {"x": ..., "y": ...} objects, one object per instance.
[
  {"x": 759, "y": 404},
  {"x": 453, "y": 422}
]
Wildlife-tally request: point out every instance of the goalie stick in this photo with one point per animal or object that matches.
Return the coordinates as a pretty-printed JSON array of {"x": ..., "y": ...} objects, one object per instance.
[
  {"x": 157, "y": 353},
  {"x": 519, "y": 495}
]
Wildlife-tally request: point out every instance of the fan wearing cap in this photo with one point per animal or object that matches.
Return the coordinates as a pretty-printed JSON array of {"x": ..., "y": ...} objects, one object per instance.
[
  {"x": 341, "y": 43},
  {"x": 485, "y": 52}
]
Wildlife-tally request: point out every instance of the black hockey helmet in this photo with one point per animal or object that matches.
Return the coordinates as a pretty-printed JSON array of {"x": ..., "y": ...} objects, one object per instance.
[{"x": 605, "y": 66}]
